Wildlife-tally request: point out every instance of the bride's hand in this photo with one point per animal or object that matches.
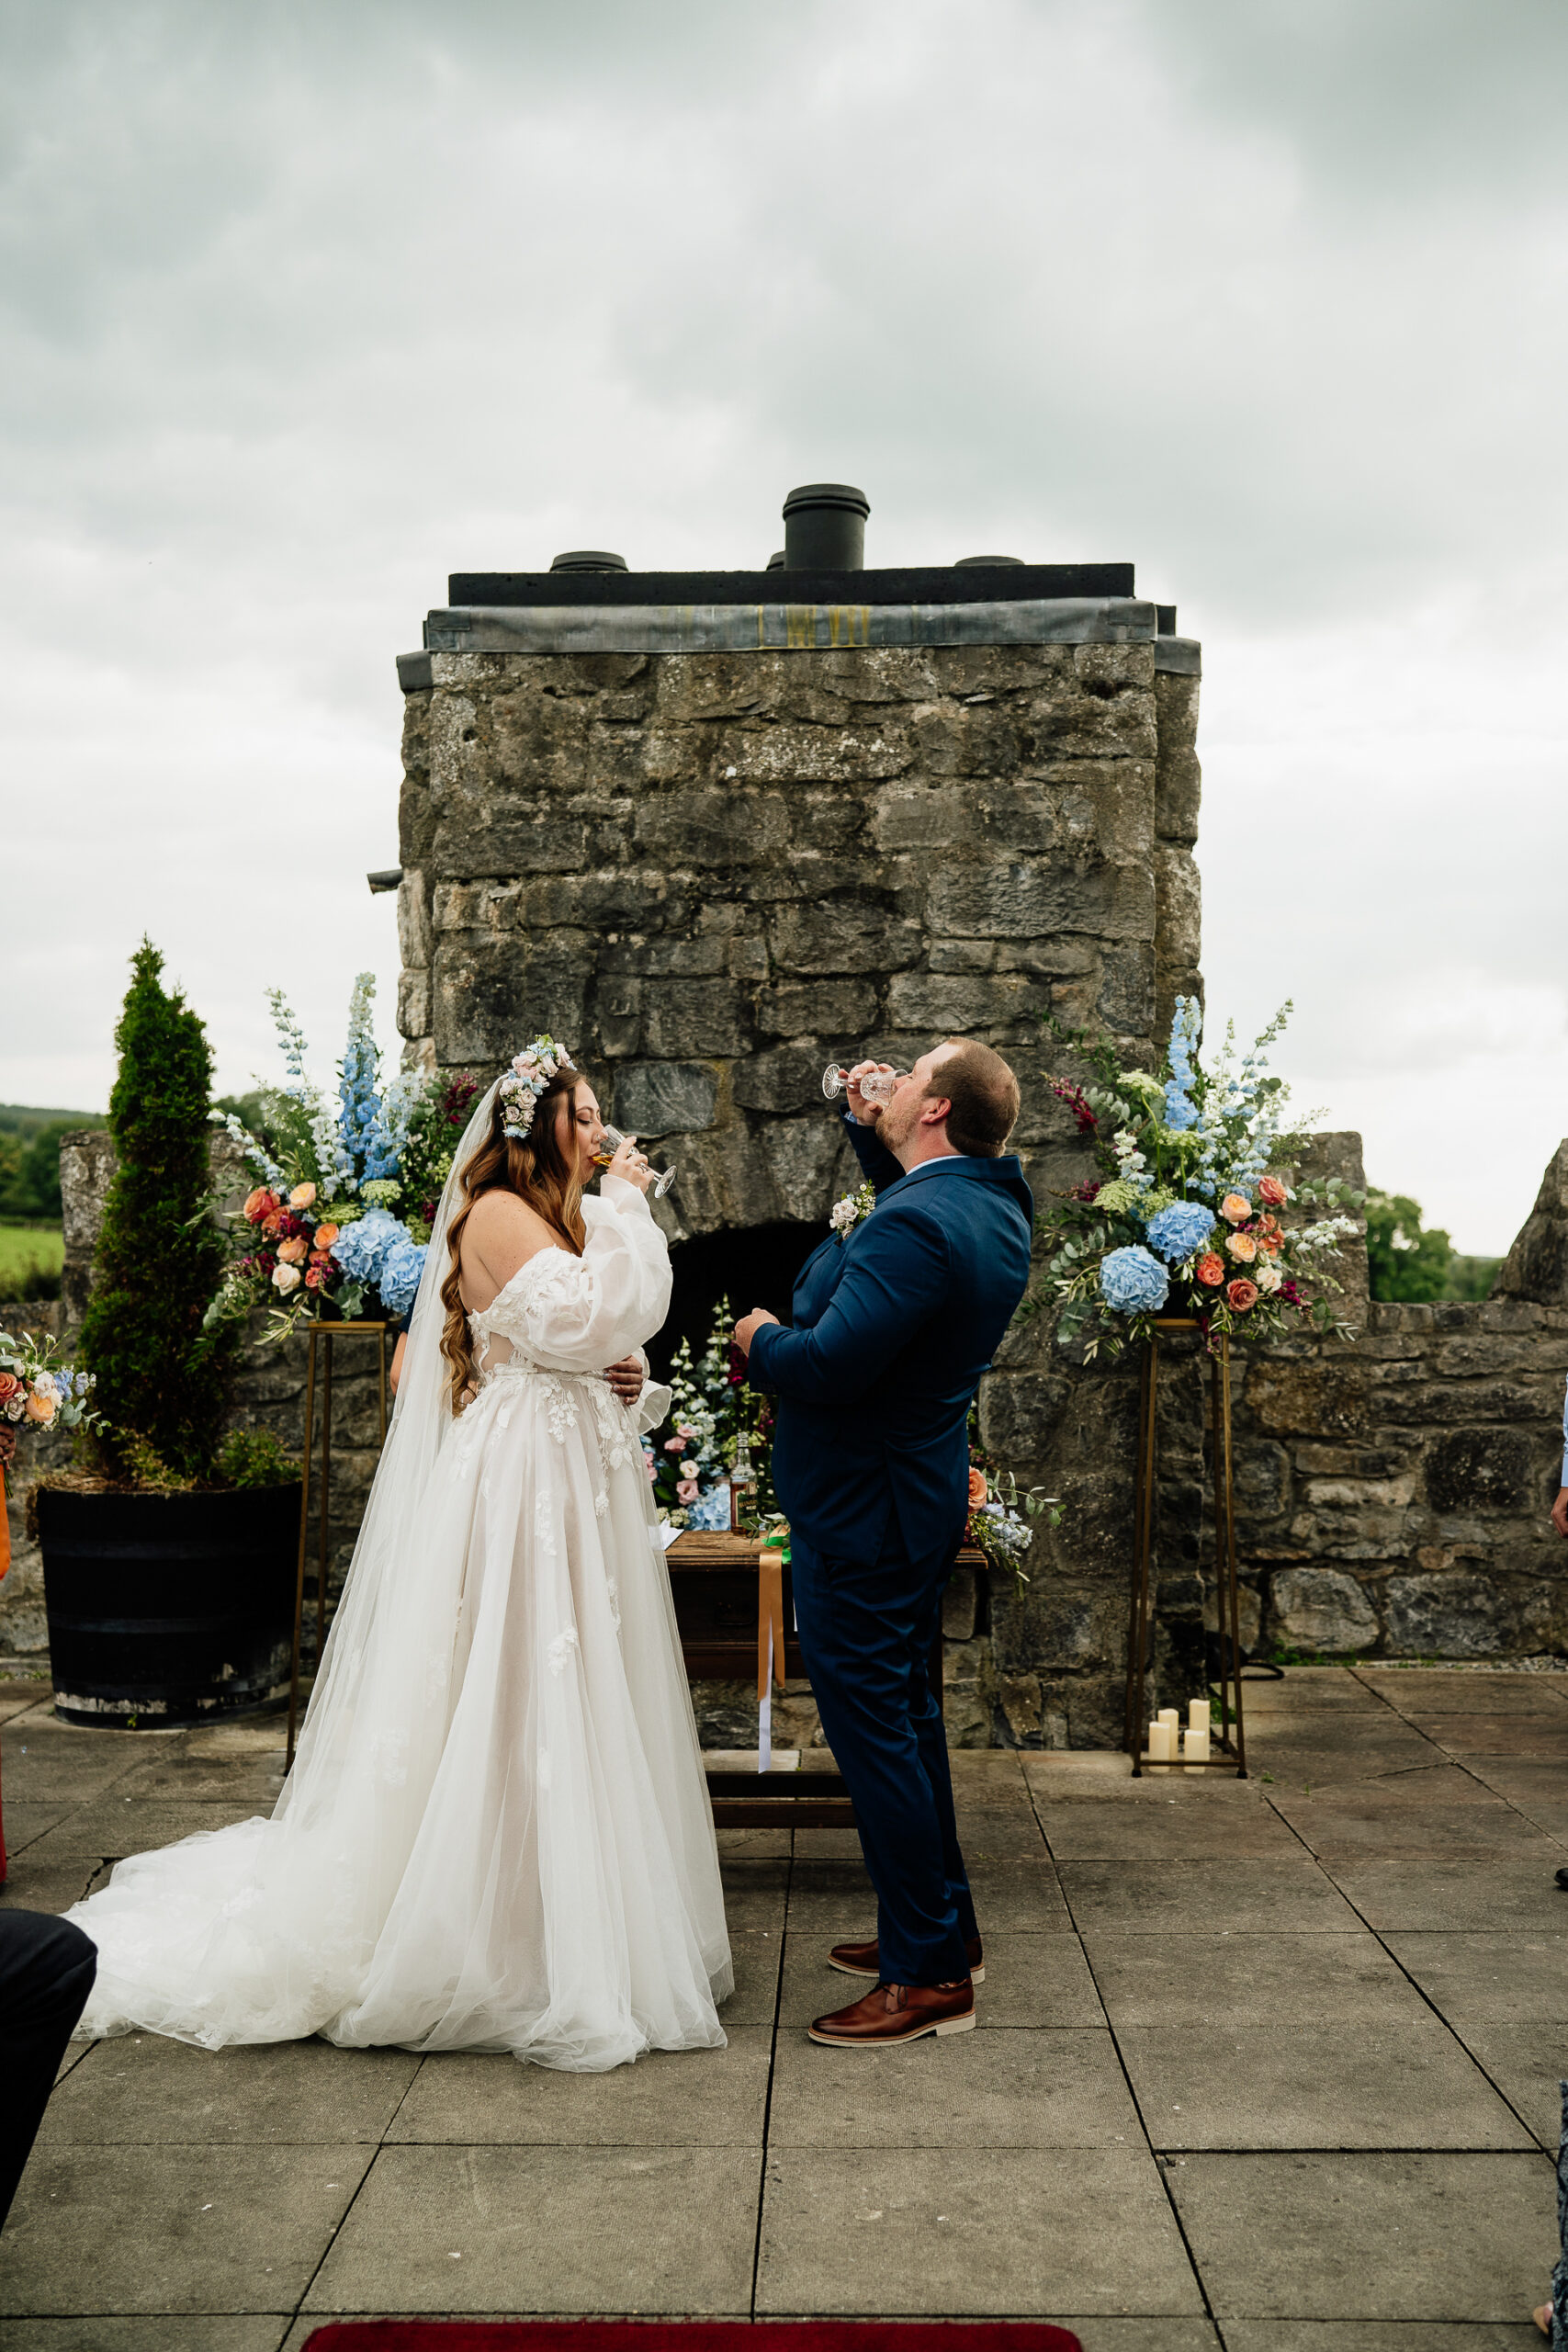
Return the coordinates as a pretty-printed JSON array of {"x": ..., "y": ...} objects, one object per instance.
[
  {"x": 632, "y": 1165},
  {"x": 625, "y": 1379}
]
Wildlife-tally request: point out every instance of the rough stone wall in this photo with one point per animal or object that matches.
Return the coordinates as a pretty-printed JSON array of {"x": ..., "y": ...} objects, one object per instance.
[{"x": 711, "y": 872}]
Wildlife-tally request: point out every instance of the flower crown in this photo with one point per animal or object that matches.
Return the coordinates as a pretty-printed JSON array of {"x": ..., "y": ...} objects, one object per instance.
[{"x": 529, "y": 1075}]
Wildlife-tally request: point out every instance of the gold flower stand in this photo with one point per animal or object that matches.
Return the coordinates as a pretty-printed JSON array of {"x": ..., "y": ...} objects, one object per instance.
[
  {"x": 321, "y": 1337},
  {"x": 1232, "y": 1756}
]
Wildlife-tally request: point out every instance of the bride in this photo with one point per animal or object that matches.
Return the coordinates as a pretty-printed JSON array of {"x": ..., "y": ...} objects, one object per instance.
[{"x": 496, "y": 1833}]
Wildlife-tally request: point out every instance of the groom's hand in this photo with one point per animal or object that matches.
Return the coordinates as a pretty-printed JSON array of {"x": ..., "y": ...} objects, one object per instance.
[
  {"x": 865, "y": 1113},
  {"x": 748, "y": 1327}
]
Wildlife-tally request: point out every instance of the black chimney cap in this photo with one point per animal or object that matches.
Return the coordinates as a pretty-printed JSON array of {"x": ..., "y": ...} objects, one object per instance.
[
  {"x": 589, "y": 560},
  {"x": 776, "y": 563},
  {"x": 828, "y": 494}
]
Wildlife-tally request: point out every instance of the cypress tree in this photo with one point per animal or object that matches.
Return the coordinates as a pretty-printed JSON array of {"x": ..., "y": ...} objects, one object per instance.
[{"x": 162, "y": 1385}]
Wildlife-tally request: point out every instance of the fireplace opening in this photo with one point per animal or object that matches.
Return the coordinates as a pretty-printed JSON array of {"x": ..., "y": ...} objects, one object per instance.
[{"x": 752, "y": 1266}]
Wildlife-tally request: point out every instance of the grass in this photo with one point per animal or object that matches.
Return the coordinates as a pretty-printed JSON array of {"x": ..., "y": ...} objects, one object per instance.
[{"x": 31, "y": 1259}]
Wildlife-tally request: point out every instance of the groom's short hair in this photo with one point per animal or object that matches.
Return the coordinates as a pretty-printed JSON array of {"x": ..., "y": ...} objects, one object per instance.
[{"x": 983, "y": 1094}]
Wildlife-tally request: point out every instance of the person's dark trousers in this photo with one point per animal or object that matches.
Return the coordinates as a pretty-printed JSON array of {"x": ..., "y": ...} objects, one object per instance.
[
  {"x": 47, "y": 1969},
  {"x": 867, "y": 1630}
]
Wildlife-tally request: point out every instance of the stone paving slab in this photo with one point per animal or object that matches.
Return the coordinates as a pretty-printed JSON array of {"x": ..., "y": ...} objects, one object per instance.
[
  {"x": 1539, "y": 1736},
  {"x": 696, "y": 2099},
  {"x": 1167, "y": 1830},
  {"x": 1490, "y": 1979},
  {"x": 141, "y": 2087},
  {"x": 1529, "y": 2064},
  {"x": 1403, "y": 2085},
  {"x": 138, "y": 2228},
  {"x": 1222, "y": 1978},
  {"x": 1339, "y": 1825},
  {"x": 488, "y": 2229},
  {"x": 1411, "y": 2238},
  {"x": 884, "y": 2233},
  {"x": 118, "y": 1826},
  {"x": 1379, "y": 2336},
  {"x": 1286, "y": 1896},
  {"x": 754, "y": 1955},
  {"x": 1392, "y": 1896},
  {"x": 1017, "y": 2088},
  {"x": 209, "y": 2332},
  {"x": 1430, "y": 1692}
]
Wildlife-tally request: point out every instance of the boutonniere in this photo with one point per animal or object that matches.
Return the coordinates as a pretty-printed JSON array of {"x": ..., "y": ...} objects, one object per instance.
[{"x": 847, "y": 1213}]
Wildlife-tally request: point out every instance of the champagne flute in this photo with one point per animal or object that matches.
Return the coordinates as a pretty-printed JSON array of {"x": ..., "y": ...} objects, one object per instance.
[
  {"x": 876, "y": 1086},
  {"x": 662, "y": 1178}
]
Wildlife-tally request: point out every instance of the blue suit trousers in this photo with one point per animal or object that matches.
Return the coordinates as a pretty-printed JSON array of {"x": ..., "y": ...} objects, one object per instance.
[{"x": 867, "y": 1630}]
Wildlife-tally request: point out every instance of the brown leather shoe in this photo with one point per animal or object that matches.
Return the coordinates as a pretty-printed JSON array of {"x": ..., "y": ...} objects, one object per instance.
[
  {"x": 860, "y": 1960},
  {"x": 898, "y": 2013}
]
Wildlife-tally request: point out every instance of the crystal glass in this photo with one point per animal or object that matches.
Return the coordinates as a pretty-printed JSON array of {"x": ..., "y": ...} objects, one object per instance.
[
  {"x": 662, "y": 1178},
  {"x": 876, "y": 1086}
]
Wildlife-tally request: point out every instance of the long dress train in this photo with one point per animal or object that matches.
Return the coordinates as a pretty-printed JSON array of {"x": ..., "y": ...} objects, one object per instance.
[{"x": 496, "y": 1835}]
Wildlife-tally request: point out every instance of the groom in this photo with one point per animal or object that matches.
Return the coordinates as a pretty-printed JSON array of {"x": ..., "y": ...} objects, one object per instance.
[{"x": 871, "y": 1462}]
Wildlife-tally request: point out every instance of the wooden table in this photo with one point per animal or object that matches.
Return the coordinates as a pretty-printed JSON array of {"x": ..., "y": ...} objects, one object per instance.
[{"x": 716, "y": 1581}]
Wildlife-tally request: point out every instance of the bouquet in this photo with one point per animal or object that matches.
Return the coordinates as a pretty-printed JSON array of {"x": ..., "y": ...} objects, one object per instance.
[
  {"x": 36, "y": 1393},
  {"x": 347, "y": 1196},
  {"x": 1186, "y": 1217},
  {"x": 1002, "y": 1518},
  {"x": 712, "y": 1407}
]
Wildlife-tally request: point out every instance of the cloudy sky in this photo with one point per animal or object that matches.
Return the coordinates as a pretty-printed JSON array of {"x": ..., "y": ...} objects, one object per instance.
[{"x": 306, "y": 306}]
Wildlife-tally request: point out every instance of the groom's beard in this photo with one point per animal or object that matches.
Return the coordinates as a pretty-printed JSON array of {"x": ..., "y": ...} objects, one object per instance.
[{"x": 898, "y": 1122}]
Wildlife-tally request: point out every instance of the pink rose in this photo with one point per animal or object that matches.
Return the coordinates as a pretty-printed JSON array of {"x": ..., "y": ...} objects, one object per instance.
[
  {"x": 686, "y": 1491},
  {"x": 675, "y": 1445}
]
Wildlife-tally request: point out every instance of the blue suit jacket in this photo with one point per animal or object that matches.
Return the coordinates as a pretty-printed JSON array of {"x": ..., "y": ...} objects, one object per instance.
[{"x": 894, "y": 1326}]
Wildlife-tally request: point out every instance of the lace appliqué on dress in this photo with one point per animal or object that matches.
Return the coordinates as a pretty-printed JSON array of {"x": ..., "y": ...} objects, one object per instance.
[{"x": 560, "y": 1650}]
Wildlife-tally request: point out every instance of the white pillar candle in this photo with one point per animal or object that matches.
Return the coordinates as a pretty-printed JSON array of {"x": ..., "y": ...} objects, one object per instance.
[
  {"x": 1172, "y": 1715},
  {"x": 1196, "y": 1750},
  {"x": 1198, "y": 1715},
  {"x": 1162, "y": 1742}
]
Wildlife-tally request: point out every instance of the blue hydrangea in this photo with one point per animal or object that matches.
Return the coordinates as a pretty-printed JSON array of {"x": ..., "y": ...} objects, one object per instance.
[
  {"x": 1133, "y": 1281},
  {"x": 712, "y": 1510},
  {"x": 1177, "y": 1231},
  {"x": 361, "y": 1247},
  {"x": 398, "y": 1279}
]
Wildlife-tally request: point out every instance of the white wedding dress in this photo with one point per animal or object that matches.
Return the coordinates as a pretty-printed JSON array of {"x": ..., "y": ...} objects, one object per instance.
[{"x": 496, "y": 1833}]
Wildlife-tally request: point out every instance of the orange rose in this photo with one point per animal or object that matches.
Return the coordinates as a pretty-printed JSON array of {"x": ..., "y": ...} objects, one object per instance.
[
  {"x": 42, "y": 1409},
  {"x": 1270, "y": 1244},
  {"x": 1269, "y": 1189},
  {"x": 293, "y": 1253},
  {"x": 325, "y": 1235},
  {"x": 316, "y": 1274},
  {"x": 1242, "y": 1246},
  {"x": 1234, "y": 1210},
  {"x": 9, "y": 1384},
  {"x": 978, "y": 1490},
  {"x": 1210, "y": 1270},
  {"x": 261, "y": 1203},
  {"x": 1241, "y": 1294},
  {"x": 302, "y": 1196},
  {"x": 272, "y": 1224}
]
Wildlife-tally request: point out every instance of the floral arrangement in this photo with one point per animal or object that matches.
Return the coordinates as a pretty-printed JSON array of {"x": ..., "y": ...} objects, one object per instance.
[
  {"x": 348, "y": 1193},
  {"x": 1002, "y": 1519},
  {"x": 845, "y": 1214},
  {"x": 711, "y": 1405},
  {"x": 36, "y": 1393},
  {"x": 526, "y": 1081},
  {"x": 1184, "y": 1218}
]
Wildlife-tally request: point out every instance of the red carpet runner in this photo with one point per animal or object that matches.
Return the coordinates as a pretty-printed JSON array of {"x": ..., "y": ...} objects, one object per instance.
[{"x": 690, "y": 2335}]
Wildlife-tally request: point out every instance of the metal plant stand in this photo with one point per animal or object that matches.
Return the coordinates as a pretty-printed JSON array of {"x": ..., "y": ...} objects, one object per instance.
[
  {"x": 1233, "y": 1752},
  {"x": 323, "y": 1335}
]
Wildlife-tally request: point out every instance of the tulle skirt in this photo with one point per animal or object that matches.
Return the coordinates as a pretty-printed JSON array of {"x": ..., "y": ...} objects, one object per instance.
[{"x": 496, "y": 1836}]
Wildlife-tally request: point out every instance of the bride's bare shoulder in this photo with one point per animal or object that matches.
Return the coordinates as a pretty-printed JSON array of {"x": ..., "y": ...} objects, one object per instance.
[{"x": 502, "y": 1234}]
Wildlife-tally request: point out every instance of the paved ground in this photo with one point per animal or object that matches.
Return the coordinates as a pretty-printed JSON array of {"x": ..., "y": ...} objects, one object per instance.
[{"x": 1263, "y": 2065}]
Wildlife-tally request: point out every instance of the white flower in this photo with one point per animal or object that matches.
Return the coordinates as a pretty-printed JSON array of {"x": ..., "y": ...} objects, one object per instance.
[
  {"x": 42, "y": 1385},
  {"x": 1266, "y": 1273},
  {"x": 284, "y": 1279}
]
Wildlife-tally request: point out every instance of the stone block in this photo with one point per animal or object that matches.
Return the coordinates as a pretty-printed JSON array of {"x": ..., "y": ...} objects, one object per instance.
[
  {"x": 1020, "y": 1413},
  {"x": 842, "y": 1009},
  {"x": 1483, "y": 1470},
  {"x": 1318, "y": 1609},
  {"x": 664, "y": 1098},
  {"x": 1031, "y": 898},
  {"x": 1321, "y": 1400},
  {"x": 802, "y": 1160},
  {"x": 413, "y": 918},
  {"x": 842, "y": 938},
  {"x": 686, "y": 1017},
  {"x": 958, "y": 1604},
  {"x": 712, "y": 826},
  {"x": 1179, "y": 778},
  {"x": 963, "y": 1005},
  {"x": 414, "y": 1004},
  {"x": 631, "y": 901},
  {"x": 506, "y": 836},
  {"x": 864, "y": 753},
  {"x": 1448, "y": 1616},
  {"x": 490, "y": 994},
  {"x": 789, "y": 1077}
]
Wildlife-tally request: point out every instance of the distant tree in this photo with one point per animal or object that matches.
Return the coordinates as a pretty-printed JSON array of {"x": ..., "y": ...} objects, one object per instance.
[{"x": 1410, "y": 1262}]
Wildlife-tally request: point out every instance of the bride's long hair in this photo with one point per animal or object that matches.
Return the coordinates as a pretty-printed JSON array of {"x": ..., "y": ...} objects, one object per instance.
[{"x": 536, "y": 1169}]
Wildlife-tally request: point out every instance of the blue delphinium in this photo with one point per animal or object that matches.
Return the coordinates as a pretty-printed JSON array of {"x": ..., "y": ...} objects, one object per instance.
[
  {"x": 1133, "y": 1281},
  {"x": 1179, "y": 1112},
  {"x": 400, "y": 1270},
  {"x": 363, "y": 1122},
  {"x": 1179, "y": 1230}
]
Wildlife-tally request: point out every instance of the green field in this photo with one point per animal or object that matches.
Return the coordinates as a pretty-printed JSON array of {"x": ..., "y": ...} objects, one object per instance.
[{"x": 31, "y": 1259}]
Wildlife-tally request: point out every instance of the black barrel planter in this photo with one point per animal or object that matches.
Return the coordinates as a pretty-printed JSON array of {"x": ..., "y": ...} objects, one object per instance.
[{"x": 168, "y": 1609}]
